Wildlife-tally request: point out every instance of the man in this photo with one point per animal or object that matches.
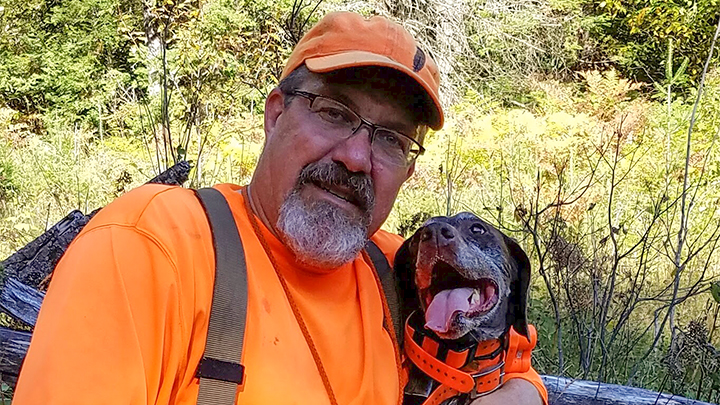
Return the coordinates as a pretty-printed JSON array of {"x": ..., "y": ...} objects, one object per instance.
[{"x": 126, "y": 315}]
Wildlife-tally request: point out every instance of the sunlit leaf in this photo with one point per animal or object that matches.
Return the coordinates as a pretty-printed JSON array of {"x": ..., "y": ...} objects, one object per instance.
[
  {"x": 681, "y": 70},
  {"x": 715, "y": 291}
]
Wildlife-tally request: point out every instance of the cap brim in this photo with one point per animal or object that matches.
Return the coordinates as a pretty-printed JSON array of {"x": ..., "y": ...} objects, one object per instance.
[{"x": 324, "y": 64}]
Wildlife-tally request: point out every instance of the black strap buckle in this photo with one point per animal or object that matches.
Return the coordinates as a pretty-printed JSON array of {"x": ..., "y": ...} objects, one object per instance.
[{"x": 215, "y": 369}]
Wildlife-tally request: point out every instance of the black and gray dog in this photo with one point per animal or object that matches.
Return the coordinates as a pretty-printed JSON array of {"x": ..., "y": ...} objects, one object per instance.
[{"x": 468, "y": 280}]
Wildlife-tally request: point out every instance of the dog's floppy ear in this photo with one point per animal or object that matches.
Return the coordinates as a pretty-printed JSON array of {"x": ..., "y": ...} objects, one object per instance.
[
  {"x": 519, "y": 288},
  {"x": 404, "y": 266}
]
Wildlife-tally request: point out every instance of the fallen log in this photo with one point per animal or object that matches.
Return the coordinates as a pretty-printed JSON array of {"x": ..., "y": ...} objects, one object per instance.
[
  {"x": 13, "y": 346},
  {"x": 21, "y": 301},
  {"x": 32, "y": 263},
  {"x": 175, "y": 176},
  {"x": 566, "y": 391}
]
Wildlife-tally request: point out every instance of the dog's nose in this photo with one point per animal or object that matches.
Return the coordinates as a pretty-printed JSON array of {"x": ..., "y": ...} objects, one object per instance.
[
  {"x": 447, "y": 233},
  {"x": 442, "y": 232}
]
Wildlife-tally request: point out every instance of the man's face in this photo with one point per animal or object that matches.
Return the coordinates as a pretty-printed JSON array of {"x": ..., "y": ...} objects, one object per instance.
[{"x": 327, "y": 188}]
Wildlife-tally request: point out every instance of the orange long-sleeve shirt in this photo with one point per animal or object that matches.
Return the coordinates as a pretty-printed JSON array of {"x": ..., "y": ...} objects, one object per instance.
[{"x": 125, "y": 318}]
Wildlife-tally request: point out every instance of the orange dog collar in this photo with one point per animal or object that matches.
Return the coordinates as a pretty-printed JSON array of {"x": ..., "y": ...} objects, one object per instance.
[{"x": 476, "y": 370}]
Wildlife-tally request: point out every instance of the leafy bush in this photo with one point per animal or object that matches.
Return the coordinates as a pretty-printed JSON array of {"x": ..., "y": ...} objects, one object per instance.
[{"x": 636, "y": 34}]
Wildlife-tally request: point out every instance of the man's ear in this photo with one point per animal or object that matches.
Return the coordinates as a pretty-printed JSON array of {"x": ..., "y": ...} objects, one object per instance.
[
  {"x": 410, "y": 171},
  {"x": 404, "y": 268},
  {"x": 274, "y": 107},
  {"x": 519, "y": 288}
]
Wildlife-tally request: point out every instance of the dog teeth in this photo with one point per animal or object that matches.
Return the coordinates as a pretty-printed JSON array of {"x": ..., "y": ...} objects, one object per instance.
[
  {"x": 474, "y": 298},
  {"x": 479, "y": 301}
]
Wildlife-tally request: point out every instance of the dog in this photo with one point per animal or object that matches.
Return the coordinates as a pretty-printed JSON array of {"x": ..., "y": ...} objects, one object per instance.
[{"x": 463, "y": 285}]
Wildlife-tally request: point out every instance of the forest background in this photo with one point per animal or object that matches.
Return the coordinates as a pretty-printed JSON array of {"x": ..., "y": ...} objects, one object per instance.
[{"x": 586, "y": 130}]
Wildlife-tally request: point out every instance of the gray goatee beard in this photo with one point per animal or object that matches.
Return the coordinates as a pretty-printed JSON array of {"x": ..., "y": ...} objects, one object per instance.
[{"x": 320, "y": 233}]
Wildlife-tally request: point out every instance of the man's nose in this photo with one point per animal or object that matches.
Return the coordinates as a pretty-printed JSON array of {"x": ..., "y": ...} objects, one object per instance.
[{"x": 355, "y": 152}]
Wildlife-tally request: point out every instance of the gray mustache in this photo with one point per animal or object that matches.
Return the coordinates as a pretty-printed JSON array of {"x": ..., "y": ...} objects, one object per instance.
[{"x": 360, "y": 185}]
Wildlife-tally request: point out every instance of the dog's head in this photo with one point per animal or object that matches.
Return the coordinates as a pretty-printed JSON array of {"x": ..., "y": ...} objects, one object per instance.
[{"x": 466, "y": 276}]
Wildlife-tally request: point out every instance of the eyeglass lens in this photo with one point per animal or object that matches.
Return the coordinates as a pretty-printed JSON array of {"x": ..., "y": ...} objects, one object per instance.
[{"x": 390, "y": 146}]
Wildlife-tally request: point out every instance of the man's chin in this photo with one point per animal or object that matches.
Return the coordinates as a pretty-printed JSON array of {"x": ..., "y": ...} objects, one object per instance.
[
  {"x": 321, "y": 234},
  {"x": 317, "y": 265}
]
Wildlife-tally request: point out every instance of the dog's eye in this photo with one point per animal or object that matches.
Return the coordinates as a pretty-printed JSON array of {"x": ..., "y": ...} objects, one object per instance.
[{"x": 477, "y": 228}]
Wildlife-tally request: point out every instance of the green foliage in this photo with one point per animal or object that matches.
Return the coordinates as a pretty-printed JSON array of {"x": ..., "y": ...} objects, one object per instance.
[
  {"x": 5, "y": 394},
  {"x": 65, "y": 56},
  {"x": 512, "y": 41},
  {"x": 227, "y": 56},
  {"x": 673, "y": 77},
  {"x": 635, "y": 34}
]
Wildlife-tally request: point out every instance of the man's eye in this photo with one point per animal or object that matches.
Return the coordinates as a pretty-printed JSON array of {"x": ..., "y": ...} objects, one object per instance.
[
  {"x": 392, "y": 140},
  {"x": 333, "y": 115}
]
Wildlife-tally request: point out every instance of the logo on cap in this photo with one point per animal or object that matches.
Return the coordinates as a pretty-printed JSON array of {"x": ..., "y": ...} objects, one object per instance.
[{"x": 418, "y": 60}]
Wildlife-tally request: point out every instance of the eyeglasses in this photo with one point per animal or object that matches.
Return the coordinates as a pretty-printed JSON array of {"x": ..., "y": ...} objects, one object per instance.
[{"x": 389, "y": 146}]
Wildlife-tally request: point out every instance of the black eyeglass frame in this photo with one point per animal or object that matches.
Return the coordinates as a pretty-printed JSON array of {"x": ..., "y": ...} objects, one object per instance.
[{"x": 363, "y": 122}]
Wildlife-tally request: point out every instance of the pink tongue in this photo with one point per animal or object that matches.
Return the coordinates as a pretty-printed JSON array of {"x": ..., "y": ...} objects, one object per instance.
[{"x": 439, "y": 313}]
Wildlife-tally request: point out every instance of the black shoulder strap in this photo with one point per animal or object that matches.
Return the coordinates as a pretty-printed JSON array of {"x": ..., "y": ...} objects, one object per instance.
[
  {"x": 220, "y": 371},
  {"x": 389, "y": 285}
]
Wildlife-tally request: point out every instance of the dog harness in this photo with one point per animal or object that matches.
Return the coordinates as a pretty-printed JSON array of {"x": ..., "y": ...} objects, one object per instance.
[{"x": 475, "y": 369}]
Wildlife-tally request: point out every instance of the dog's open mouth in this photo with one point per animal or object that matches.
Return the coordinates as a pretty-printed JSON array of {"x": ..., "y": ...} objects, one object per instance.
[{"x": 451, "y": 295}]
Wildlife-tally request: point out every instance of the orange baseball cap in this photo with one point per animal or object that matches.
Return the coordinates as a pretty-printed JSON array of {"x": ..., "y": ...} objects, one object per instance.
[{"x": 344, "y": 39}]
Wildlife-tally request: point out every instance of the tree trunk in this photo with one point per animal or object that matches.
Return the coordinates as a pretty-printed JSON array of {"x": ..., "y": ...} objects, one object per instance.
[{"x": 154, "y": 48}]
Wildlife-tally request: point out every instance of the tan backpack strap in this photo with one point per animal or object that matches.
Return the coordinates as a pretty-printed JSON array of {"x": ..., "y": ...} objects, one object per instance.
[{"x": 220, "y": 371}]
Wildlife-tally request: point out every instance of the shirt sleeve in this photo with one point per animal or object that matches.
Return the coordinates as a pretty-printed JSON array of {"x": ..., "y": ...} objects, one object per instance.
[{"x": 110, "y": 329}]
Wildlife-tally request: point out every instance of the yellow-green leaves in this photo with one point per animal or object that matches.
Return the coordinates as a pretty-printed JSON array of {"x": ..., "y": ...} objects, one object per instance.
[{"x": 715, "y": 291}]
